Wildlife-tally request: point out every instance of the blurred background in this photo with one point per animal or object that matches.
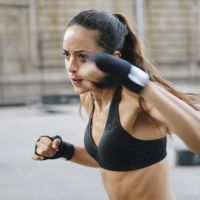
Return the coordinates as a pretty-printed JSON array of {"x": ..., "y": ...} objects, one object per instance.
[
  {"x": 31, "y": 33},
  {"x": 36, "y": 97}
]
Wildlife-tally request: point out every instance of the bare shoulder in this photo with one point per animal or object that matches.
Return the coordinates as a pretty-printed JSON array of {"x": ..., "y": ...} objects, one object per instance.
[
  {"x": 136, "y": 123},
  {"x": 139, "y": 102},
  {"x": 127, "y": 95},
  {"x": 129, "y": 99}
]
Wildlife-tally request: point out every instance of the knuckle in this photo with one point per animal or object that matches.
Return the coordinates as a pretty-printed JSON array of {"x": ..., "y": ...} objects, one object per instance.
[
  {"x": 40, "y": 151},
  {"x": 49, "y": 149},
  {"x": 44, "y": 139},
  {"x": 45, "y": 149}
]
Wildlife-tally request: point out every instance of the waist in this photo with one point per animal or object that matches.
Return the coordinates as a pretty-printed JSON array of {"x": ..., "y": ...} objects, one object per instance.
[{"x": 138, "y": 184}]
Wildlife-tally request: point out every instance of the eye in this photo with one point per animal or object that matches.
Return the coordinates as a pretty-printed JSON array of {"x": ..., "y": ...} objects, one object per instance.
[
  {"x": 82, "y": 57},
  {"x": 66, "y": 54}
]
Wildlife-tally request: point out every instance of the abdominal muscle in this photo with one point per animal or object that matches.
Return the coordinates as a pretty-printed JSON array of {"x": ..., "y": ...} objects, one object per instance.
[{"x": 150, "y": 183}]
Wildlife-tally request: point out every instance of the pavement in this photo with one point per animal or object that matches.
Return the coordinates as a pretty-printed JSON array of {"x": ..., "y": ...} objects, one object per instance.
[{"x": 21, "y": 178}]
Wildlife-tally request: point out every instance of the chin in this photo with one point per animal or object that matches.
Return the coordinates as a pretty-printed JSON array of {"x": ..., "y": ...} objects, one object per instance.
[{"x": 81, "y": 90}]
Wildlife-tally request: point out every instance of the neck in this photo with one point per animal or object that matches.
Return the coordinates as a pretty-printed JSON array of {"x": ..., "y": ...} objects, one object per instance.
[{"x": 102, "y": 98}]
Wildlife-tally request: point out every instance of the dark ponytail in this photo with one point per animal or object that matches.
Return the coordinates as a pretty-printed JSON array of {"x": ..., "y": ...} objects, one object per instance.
[{"x": 131, "y": 50}]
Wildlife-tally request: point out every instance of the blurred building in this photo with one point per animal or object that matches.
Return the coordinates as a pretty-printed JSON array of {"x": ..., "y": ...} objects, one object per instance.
[{"x": 31, "y": 32}]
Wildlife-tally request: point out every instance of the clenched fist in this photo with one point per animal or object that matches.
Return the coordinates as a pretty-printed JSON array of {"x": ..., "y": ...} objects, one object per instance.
[{"x": 52, "y": 148}]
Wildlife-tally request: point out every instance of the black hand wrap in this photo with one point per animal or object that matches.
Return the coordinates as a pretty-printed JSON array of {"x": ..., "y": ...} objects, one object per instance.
[
  {"x": 65, "y": 149},
  {"x": 121, "y": 71}
]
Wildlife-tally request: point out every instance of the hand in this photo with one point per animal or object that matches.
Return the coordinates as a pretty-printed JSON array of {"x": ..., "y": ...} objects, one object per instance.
[
  {"x": 120, "y": 71},
  {"x": 45, "y": 147},
  {"x": 90, "y": 72},
  {"x": 52, "y": 148},
  {"x": 93, "y": 77}
]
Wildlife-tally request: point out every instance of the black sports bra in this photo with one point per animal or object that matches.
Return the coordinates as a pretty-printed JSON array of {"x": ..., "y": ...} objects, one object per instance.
[{"x": 117, "y": 149}]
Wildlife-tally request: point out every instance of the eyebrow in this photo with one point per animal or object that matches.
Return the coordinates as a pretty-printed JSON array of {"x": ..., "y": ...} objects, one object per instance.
[{"x": 78, "y": 51}]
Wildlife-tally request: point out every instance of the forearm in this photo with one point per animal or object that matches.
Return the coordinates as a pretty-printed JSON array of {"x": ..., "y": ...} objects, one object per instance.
[
  {"x": 181, "y": 118},
  {"x": 83, "y": 158},
  {"x": 49, "y": 148}
]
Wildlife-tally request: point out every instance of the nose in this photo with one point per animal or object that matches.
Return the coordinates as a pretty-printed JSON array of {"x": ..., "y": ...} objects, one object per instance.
[{"x": 71, "y": 66}]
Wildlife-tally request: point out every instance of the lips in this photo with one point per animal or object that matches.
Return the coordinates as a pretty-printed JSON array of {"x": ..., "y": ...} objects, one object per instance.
[{"x": 76, "y": 80}]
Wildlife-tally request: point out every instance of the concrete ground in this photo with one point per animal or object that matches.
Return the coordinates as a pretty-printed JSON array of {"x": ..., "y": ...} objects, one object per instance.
[{"x": 21, "y": 178}]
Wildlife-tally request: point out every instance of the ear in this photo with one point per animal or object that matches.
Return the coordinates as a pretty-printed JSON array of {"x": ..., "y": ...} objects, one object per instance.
[{"x": 117, "y": 54}]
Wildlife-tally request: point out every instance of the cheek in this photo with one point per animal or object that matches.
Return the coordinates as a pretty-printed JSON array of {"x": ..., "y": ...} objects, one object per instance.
[
  {"x": 68, "y": 74},
  {"x": 66, "y": 64}
]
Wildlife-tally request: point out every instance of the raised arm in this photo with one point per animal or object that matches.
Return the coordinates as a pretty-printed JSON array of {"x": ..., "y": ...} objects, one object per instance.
[{"x": 181, "y": 118}]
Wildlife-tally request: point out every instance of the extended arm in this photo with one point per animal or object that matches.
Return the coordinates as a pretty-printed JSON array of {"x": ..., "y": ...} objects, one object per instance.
[
  {"x": 180, "y": 117},
  {"x": 82, "y": 157},
  {"x": 53, "y": 148}
]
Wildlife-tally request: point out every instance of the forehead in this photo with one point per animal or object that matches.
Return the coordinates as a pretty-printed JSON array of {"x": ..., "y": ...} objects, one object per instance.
[{"x": 77, "y": 37}]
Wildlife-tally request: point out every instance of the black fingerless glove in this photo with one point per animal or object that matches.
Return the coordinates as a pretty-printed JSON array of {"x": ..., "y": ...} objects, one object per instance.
[
  {"x": 65, "y": 149},
  {"x": 120, "y": 71}
]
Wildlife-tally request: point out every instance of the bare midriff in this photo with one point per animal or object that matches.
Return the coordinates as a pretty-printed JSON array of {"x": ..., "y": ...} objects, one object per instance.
[{"x": 150, "y": 183}]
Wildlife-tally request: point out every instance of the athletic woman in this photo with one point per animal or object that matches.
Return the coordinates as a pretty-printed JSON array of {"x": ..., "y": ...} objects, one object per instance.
[{"x": 131, "y": 110}]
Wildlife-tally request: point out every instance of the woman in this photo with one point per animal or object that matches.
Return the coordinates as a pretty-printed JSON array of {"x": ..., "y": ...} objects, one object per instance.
[{"x": 131, "y": 109}]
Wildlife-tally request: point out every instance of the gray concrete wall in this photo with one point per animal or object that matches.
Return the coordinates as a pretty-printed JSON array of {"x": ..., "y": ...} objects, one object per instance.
[
  {"x": 172, "y": 34},
  {"x": 31, "y": 33}
]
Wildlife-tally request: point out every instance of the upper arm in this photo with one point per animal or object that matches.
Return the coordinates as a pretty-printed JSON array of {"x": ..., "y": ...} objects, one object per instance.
[
  {"x": 152, "y": 111},
  {"x": 144, "y": 105},
  {"x": 138, "y": 117}
]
